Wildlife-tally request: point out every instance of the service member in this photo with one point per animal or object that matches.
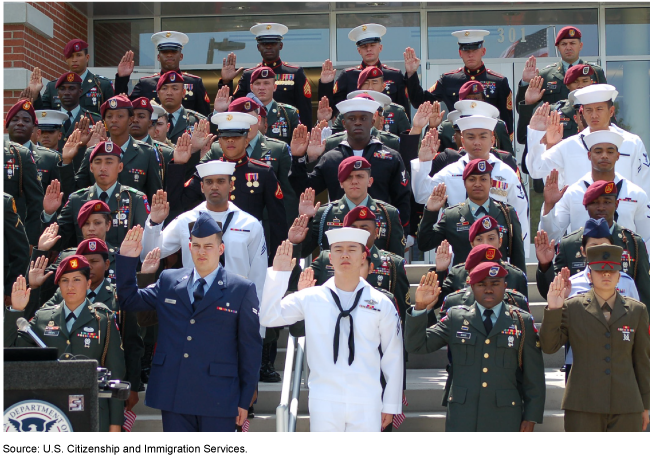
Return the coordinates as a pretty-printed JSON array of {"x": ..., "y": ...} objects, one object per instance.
[
  {"x": 74, "y": 327},
  {"x": 16, "y": 245},
  {"x": 367, "y": 38},
  {"x": 201, "y": 379},
  {"x": 95, "y": 89},
  {"x": 611, "y": 349},
  {"x": 50, "y": 128},
  {"x": 170, "y": 53},
  {"x": 345, "y": 392},
  {"x": 447, "y": 88}
]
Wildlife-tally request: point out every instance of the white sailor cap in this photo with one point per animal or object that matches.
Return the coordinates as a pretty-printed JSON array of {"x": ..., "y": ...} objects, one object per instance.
[
  {"x": 381, "y": 98},
  {"x": 49, "y": 120},
  {"x": 572, "y": 97},
  {"x": 157, "y": 111},
  {"x": 604, "y": 136},
  {"x": 476, "y": 108},
  {"x": 347, "y": 234},
  {"x": 453, "y": 117},
  {"x": 367, "y": 33},
  {"x": 596, "y": 93},
  {"x": 471, "y": 122},
  {"x": 233, "y": 123},
  {"x": 470, "y": 39},
  {"x": 215, "y": 167},
  {"x": 169, "y": 40},
  {"x": 269, "y": 32},
  {"x": 358, "y": 104}
]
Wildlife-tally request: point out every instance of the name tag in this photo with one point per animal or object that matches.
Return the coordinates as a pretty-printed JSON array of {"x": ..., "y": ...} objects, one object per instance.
[
  {"x": 463, "y": 335},
  {"x": 170, "y": 301},
  {"x": 50, "y": 332}
]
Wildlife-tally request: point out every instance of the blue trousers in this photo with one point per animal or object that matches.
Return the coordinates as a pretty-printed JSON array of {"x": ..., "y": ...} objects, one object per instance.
[{"x": 179, "y": 422}]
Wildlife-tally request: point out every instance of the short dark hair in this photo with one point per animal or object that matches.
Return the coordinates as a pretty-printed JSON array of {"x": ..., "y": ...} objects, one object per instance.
[
  {"x": 85, "y": 272},
  {"x": 586, "y": 238},
  {"x": 610, "y": 103}
]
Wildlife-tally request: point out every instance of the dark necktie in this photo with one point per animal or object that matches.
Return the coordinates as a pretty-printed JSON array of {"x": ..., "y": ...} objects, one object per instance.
[
  {"x": 607, "y": 311},
  {"x": 104, "y": 197},
  {"x": 487, "y": 314},
  {"x": 199, "y": 292},
  {"x": 171, "y": 123},
  {"x": 71, "y": 316},
  {"x": 91, "y": 295},
  {"x": 68, "y": 123},
  {"x": 480, "y": 212},
  {"x": 337, "y": 329}
]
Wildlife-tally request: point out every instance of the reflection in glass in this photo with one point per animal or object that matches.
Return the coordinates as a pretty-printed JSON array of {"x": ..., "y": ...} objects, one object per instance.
[
  {"x": 114, "y": 38},
  {"x": 632, "y": 80},
  {"x": 236, "y": 8},
  {"x": 403, "y": 30},
  {"x": 627, "y": 31},
  {"x": 213, "y": 38},
  {"x": 515, "y": 34}
]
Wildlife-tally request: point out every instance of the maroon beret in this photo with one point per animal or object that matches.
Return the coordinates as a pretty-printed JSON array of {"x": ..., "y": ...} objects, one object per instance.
[
  {"x": 569, "y": 32},
  {"x": 370, "y": 72},
  {"x": 351, "y": 164},
  {"x": 576, "y": 72},
  {"x": 106, "y": 148},
  {"x": 597, "y": 189},
  {"x": 89, "y": 208},
  {"x": 73, "y": 46},
  {"x": 68, "y": 78},
  {"x": 262, "y": 73},
  {"x": 367, "y": 250},
  {"x": 477, "y": 166},
  {"x": 91, "y": 246},
  {"x": 117, "y": 102},
  {"x": 481, "y": 253},
  {"x": 358, "y": 213},
  {"x": 482, "y": 225},
  {"x": 243, "y": 104},
  {"x": 485, "y": 270},
  {"x": 142, "y": 103},
  {"x": 71, "y": 264},
  {"x": 470, "y": 88},
  {"x": 21, "y": 105},
  {"x": 170, "y": 77}
]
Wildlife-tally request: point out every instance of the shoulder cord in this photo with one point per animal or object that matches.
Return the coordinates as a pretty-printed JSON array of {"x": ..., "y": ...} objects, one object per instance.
[
  {"x": 161, "y": 160},
  {"x": 392, "y": 284},
  {"x": 289, "y": 131},
  {"x": 636, "y": 249},
  {"x": 321, "y": 227},
  {"x": 99, "y": 87},
  {"x": 108, "y": 337},
  {"x": 523, "y": 334},
  {"x": 388, "y": 222},
  {"x": 20, "y": 170},
  {"x": 504, "y": 211}
]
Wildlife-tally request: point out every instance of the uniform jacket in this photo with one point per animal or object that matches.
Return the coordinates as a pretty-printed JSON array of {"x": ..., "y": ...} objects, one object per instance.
[
  {"x": 454, "y": 225},
  {"x": 46, "y": 161},
  {"x": 447, "y": 88},
  {"x": 207, "y": 360},
  {"x": 391, "y": 180},
  {"x": 88, "y": 336},
  {"x": 489, "y": 391},
  {"x": 457, "y": 278},
  {"x": 395, "y": 121},
  {"x": 16, "y": 245},
  {"x": 185, "y": 122},
  {"x": 388, "y": 139},
  {"x": 612, "y": 357},
  {"x": 347, "y": 82},
  {"x": 376, "y": 325},
  {"x": 95, "y": 90},
  {"x": 465, "y": 297},
  {"x": 94, "y": 118},
  {"x": 564, "y": 107},
  {"x": 21, "y": 182},
  {"x": 196, "y": 97},
  {"x": 282, "y": 119}
]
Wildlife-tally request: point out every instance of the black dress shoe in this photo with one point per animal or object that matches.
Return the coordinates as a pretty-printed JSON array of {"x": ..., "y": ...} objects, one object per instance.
[
  {"x": 251, "y": 412},
  {"x": 269, "y": 376}
]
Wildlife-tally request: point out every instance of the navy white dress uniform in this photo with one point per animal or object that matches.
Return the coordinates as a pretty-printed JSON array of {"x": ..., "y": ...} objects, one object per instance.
[
  {"x": 209, "y": 350},
  {"x": 506, "y": 187},
  {"x": 242, "y": 234},
  {"x": 569, "y": 156},
  {"x": 345, "y": 393}
]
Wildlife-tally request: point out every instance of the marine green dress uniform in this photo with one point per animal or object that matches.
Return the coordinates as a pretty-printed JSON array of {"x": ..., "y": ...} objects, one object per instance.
[
  {"x": 16, "y": 245},
  {"x": 282, "y": 119},
  {"x": 396, "y": 122},
  {"x": 331, "y": 215},
  {"x": 21, "y": 182},
  {"x": 634, "y": 261},
  {"x": 387, "y": 139}
]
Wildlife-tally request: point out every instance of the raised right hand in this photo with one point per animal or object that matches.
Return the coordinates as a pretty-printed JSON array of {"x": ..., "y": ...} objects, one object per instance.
[
  {"x": 49, "y": 238},
  {"x": 552, "y": 192},
  {"x": 299, "y": 229},
  {"x": 306, "y": 205},
  {"x": 151, "y": 262},
  {"x": 71, "y": 147},
  {"x": 534, "y": 92},
  {"x": 223, "y": 99},
  {"x": 544, "y": 249},
  {"x": 324, "y": 110},
  {"x": 53, "y": 197},
  {"x": 229, "y": 69},
  {"x": 555, "y": 297},
  {"x": 126, "y": 65},
  {"x": 421, "y": 117},
  {"x": 530, "y": 69},
  {"x": 19, "y": 294},
  {"x": 539, "y": 121},
  {"x": 183, "y": 149},
  {"x": 427, "y": 292},
  {"x": 282, "y": 260},
  {"x": 36, "y": 82},
  {"x": 327, "y": 73},
  {"x": 132, "y": 243},
  {"x": 306, "y": 279},
  {"x": 37, "y": 275},
  {"x": 443, "y": 256},
  {"x": 429, "y": 146},
  {"x": 411, "y": 61},
  {"x": 316, "y": 145},
  {"x": 437, "y": 198},
  {"x": 159, "y": 207}
]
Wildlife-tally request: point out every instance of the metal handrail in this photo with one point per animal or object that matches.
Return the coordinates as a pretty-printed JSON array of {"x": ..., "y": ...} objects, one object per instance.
[
  {"x": 286, "y": 413},
  {"x": 295, "y": 392},
  {"x": 282, "y": 410}
]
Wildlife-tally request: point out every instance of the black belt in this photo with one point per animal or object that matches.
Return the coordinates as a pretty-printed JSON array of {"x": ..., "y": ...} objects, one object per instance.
[{"x": 337, "y": 330}]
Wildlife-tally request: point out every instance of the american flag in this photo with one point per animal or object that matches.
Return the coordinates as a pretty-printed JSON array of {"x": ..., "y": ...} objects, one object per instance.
[
  {"x": 399, "y": 419},
  {"x": 535, "y": 44},
  {"x": 246, "y": 426},
  {"x": 129, "y": 419}
]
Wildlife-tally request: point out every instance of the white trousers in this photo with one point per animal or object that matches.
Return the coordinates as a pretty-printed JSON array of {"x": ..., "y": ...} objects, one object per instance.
[{"x": 329, "y": 416}]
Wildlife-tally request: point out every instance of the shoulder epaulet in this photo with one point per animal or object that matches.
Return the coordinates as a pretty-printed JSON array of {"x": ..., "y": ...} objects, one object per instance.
[
  {"x": 504, "y": 153},
  {"x": 290, "y": 65},
  {"x": 514, "y": 268},
  {"x": 162, "y": 144},
  {"x": 336, "y": 135},
  {"x": 494, "y": 73},
  {"x": 274, "y": 140},
  {"x": 455, "y": 206},
  {"x": 386, "y": 67},
  {"x": 80, "y": 191},
  {"x": 397, "y": 106},
  {"x": 192, "y": 75},
  {"x": 256, "y": 162},
  {"x": 631, "y": 233},
  {"x": 287, "y": 106},
  {"x": 549, "y": 66},
  {"x": 573, "y": 233},
  {"x": 195, "y": 114},
  {"x": 454, "y": 71},
  {"x": 102, "y": 77},
  {"x": 155, "y": 75},
  {"x": 388, "y": 133},
  {"x": 126, "y": 188},
  {"x": 515, "y": 292},
  {"x": 352, "y": 69},
  {"x": 101, "y": 306}
]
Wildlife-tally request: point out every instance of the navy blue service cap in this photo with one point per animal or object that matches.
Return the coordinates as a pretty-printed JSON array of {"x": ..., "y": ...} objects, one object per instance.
[
  {"x": 205, "y": 226},
  {"x": 596, "y": 229}
]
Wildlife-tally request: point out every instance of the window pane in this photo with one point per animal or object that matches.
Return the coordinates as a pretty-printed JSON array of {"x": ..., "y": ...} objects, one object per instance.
[
  {"x": 403, "y": 30},
  {"x": 367, "y": 6},
  {"x": 223, "y": 8},
  {"x": 213, "y": 38},
  {"x": 632, "y": 80},
  {"x": 114, "y": 38},
  {"x": 627, "y": 31},
  {"x": 512, "y": 33}
]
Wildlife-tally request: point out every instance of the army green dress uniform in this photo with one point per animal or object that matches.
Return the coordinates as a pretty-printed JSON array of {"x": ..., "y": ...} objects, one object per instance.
[
  {"x": 388, "y": 139},
  {"x": 185, "y": 122},
  {"x": 282, "y": 119},
  {"x": 611, "y": 356},
  {"x": 46, "y": 161},
  {"x": 21, "y": 182},
  {"x": 490, "y": 369},
  {"x": 457, "y": 279},
  {"x": 331, "y": 215},
  {"x": 164, "y": 154},
  {"x": 634, "y": 262},
  {"x": 95, "y": 90},
  {"x": 94, "y": 118},
  {"x": 276, "y": 154},
  {"x": 16, "y": 245},
  {"x": 564, "y": 107},
  {"x": 396, "y": 122},
  {"x": 455, "y": 223}
]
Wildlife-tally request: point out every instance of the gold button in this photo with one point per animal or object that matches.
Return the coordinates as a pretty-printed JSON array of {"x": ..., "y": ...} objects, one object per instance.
[
  {"x": 513, "y": 403},
  {"x": 485, "y": 369},
  {"x": 484, "y": 384},
  {"x": 450, "y": 398},
  {"x": 67, "y": 342},
  {"x": 186, "y": 355},
  {"x": 462, "y": 340},
  {"x": 189, "y": 337},
  {"x": 192, "y": 321},
  {"x": 486, "y": 355},
  {"x": 487, "y": 341}
]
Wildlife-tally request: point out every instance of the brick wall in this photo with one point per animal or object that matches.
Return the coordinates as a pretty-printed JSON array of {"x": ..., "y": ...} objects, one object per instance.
[
  {"x": 118, "y": 34},
  {"x": 24, "y": 48}
]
